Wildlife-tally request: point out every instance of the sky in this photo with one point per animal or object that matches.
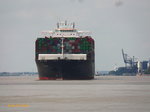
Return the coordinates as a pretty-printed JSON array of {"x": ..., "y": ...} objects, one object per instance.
[{"x": 115, "y": 24}]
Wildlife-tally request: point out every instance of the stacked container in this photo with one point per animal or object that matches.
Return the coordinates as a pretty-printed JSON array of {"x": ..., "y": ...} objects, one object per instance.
[
  {"x": 71, "y": 45},
  {"x": 48, "y": 46},
  {"x": 78, "y": 45}
]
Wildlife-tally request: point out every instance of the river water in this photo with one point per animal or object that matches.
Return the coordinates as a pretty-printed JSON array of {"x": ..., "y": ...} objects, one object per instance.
[{"x": 103, "y": 94}]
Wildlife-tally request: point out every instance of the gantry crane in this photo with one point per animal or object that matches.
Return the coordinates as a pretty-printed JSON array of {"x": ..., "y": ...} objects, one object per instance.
[{"x": 129, "y": 62}]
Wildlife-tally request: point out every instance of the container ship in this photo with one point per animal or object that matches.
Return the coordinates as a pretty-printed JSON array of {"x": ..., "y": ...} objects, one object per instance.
[{"x": 65, "y": 53}]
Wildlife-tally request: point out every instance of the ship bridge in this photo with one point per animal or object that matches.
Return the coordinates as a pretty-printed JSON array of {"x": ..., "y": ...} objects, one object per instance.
[{"x": 65, "y": 29}]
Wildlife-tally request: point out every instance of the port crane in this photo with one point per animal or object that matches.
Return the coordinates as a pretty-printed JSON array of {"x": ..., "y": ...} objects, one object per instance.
[{"x": 129, "y": 62}]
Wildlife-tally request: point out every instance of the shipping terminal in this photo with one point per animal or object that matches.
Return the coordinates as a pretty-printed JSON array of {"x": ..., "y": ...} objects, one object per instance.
[{"x": 65, "y": 53}]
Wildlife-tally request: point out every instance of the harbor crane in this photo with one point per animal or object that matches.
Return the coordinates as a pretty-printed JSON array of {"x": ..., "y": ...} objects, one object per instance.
[{"x": 129, "y": 62}]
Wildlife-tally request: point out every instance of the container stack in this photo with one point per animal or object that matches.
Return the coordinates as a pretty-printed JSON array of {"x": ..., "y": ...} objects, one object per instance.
[
  {"x": 71, "y": 45},
  {"x": 78, "y": 45},
  {"x": 48, "y": 46}
]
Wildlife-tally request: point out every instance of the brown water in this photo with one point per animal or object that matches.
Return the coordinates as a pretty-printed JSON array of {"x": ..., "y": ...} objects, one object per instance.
[{"x": 103, "y": 94}]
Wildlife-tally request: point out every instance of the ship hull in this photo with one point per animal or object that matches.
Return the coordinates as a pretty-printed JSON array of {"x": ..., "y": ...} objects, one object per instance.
[
  {"x": 65, "y": 69},
  {"x": 65, "y": 58}
]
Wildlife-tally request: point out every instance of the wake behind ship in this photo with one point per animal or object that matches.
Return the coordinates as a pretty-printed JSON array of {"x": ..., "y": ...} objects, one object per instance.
[{"x": 65, "y": 53}]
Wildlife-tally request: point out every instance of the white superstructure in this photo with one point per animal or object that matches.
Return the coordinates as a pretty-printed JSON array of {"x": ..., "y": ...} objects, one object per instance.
[{"x": 65, "y": 29}]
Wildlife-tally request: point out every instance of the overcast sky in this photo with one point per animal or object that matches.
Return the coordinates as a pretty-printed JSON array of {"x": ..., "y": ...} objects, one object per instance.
[{"x": 115, "y": 24}]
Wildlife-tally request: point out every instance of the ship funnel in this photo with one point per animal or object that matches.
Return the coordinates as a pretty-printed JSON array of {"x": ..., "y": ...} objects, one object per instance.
[{"x": 65, "y": 24}]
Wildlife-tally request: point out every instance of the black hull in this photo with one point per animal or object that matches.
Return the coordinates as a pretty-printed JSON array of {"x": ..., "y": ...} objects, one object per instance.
[{"x": 65, "y": 69}]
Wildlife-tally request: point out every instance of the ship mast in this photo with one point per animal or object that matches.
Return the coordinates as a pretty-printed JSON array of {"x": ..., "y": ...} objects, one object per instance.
[{"x": 62, "y": 47}]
